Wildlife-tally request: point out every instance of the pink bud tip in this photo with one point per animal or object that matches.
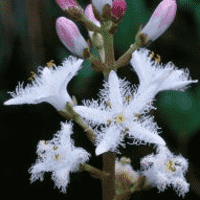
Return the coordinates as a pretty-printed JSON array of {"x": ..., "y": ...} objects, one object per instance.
[
  {"x": 66, "y": 3},
  {"x": 67, "y": 31},
  {"x": 118, "y": 8},
  {"x": 165, "y": 11},
  {"x": 89, "y": 14}
]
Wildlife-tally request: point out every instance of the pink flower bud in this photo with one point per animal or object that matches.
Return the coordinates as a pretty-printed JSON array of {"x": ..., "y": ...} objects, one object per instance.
[
  {"x": 70, "y": 36},
  {"x": 161, "y": 19},
  {"x": 90, "y": 15},
  {"x": 118, "y": 8},
  {"x": 66, "y": 3}
]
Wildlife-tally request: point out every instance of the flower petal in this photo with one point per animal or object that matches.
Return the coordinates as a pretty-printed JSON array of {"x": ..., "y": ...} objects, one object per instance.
[
  {"x": 115, "y": 96},
  {"x": 49, "y": 86},
  {"x": 92, "y": 114},
  {"x": 109, "y": 140},
  {"x": 138, "y": 132}
]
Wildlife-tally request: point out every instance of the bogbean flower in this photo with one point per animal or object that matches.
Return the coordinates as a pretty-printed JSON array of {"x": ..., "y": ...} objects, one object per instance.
[
  {"x": 49, "y": 86},
  {"x": 165, "y": 169},
  {"x": 70, "y": 36},
  {"x": 114, "y": 113},
  {"x": 118, "y": 116},
  {"x": 161, "y": 19},
  {"x": 155, "y": 77},
  {"x": 58, "y": 156}
]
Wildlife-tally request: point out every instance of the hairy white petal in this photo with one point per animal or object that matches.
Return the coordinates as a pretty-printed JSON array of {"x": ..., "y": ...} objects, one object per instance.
[
  {"x": 109, "y": 140},
  {"x": 49, "y": 86},
  {"x": 98, "y": 116},
  {"x": 115, "y": 96},
  {"x": 146, "y": 134}
]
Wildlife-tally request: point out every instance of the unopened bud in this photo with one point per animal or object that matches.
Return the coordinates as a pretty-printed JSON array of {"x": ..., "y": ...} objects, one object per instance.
[
  {"x": 70, "y": 36},
  {"x": 161, "y": 19},
  {"x": 118, "y": 9},
  {"x": 90, "y": 15}
]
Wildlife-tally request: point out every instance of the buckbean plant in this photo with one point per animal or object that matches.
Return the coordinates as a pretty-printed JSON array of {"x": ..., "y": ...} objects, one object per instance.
[{"x": 121, "y": 110}]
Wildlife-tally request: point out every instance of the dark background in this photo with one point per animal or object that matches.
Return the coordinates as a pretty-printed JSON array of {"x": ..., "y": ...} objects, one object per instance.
[{"x": 28, "y": 39}]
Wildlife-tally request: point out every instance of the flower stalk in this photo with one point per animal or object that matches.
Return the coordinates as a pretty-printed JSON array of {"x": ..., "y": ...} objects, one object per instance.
[
  {"x": 121, "y": 110},
  {"x": 69, "y": 113}
]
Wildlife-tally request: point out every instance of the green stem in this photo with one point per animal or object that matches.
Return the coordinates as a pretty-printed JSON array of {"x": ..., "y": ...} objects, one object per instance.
[
  {"x": 125, "y": 58},
  {"x": 108, "y": 182},
  {"x": 108, "y": 46},
  {"x": 69, "y": 113},
  {"x": 95, "y": 173}
]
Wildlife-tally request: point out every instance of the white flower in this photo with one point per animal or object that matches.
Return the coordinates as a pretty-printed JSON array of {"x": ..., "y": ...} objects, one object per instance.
[
  {"x": 49, "y": 86},
  {"x": 154, "y": 78},
  {"x": 58, "y": 156},
  {"x": 165, "y": 169},
  {"x": 119, "y": 117}
]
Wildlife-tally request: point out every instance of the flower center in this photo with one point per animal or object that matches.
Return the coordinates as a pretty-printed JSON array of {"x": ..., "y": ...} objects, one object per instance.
[
  {"x": 170, "y": 166},
  {"x": 57, "y": 157},
  {"x": 120, "y": 119}
]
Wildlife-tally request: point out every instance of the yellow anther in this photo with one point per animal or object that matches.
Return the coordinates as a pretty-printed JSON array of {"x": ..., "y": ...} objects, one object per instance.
[
  {"x": 55, "y": 147},
  {"x": 109, "y": 122},
  {"x": 128, "y": 98},
  {"x": 156, "y": 57},
  {"x": 137, "y": 115},
  {"x": 50, "y": 64},
  {"x": 124, "y": 132},
  {"x": 108, "y": 103},
  {"x": 170, "y": 166},
  {"x": 32, "y": 76},
  {"x": 125, "y": 160},
  {"x": 57, "y": 157}
]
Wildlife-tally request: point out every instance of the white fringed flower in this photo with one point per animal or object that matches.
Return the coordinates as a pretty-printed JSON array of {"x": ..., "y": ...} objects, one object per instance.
[
  {"x": 49, "y": 86},
  {"x": 165, "y": 169},
  {"x": 118, "y": 116},
  {"x": 154, "y": 78},
  {"x": 58, "y": 156}
]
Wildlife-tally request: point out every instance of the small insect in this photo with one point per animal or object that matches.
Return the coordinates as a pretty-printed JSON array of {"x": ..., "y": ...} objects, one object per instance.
[{"x": 156, "y": 57}]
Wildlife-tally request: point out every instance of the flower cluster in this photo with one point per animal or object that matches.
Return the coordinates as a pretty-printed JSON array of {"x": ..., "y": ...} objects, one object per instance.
[{"x": 121, "y": 110}]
